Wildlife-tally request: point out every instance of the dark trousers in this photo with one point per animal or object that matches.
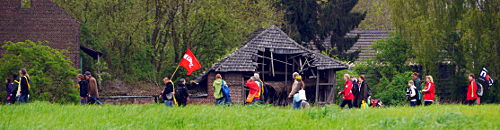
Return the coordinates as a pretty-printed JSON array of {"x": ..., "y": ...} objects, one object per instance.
[
  {"x": 413, "y": 103},
  {"x": 348, "y": 102},
  {"x": 83, "y": 100},
  {"x": 23, "y": 99},
  {"x": 419, "y": 102},
  {"x": 182, "y": 102},
  {"x": 169, "y": 103},
  {"x": 427, "y": 103},
  {"x": 93, "y": 100},
  {"x": 220, "y": 101},
  {"x": 356, "y": 102},
  {"x": 296, "y": 105},
  {"x": 470, "y": 102}
]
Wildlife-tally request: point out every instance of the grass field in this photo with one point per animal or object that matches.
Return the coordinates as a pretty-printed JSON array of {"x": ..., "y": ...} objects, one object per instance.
[{"x": 41, "y": 115}]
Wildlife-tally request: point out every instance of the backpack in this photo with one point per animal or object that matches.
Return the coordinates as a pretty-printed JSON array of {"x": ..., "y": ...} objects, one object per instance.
[
  {"x": 302, "y": 94},
  {"x": 480, "y": 89},
  {"x": 225, "y": 89},
  {"x": 419, "y": 95}
]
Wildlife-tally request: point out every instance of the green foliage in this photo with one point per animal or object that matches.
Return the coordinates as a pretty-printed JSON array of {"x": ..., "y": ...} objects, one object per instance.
[
  {"x": 463, "y": 34},
  {"x": 157, "y": 116},
  {"x": 319, "y": 21},
  {"x": 145, "y": 39},
  {"x": 392, "y": 91},
  {"x": 49, "y": 70},
  {"x": 25, "y": 3},
  {"x": 377, "y": 14},
  {"x": 393, "y": 51},
  {"x": 388, "y": 74}
]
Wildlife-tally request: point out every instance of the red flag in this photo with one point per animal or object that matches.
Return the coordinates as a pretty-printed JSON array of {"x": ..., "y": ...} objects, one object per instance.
[{"x": 189, "y": 62}]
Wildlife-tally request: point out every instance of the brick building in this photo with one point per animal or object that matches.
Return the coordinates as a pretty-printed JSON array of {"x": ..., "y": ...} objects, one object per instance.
[{"x": 40, "y": 20}]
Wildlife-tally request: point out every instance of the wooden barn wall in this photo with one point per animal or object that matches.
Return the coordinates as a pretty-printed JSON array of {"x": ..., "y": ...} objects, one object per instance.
[{"x": 44, "y": 21}]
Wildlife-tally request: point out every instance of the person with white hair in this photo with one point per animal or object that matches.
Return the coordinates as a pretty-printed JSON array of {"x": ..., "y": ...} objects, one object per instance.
[
  {"x": 297, "y": 85},
  {"x": 260, "y": 83},
  {"x": 254, "y": 89},
  {"x": 348, "y": 96}
]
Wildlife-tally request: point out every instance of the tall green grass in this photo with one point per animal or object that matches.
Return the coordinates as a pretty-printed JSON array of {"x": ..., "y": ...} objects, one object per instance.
[{"x": 42, "y": 115}]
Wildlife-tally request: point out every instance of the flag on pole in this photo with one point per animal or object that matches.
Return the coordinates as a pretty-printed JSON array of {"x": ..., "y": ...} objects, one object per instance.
[
  {"x": 484, "y": 76},
  {"x": 190, "y": 62}
]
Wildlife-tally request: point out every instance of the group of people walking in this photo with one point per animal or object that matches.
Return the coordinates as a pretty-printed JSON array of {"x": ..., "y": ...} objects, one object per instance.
[
  {"x": 18, "y": 88},
  {"x": 254, "y": 84},
  {"x": 89, "y": 92},
  {"x": 356, "y": 92},
  {"x": 175, "y": 96},
  {"x": 414, "y": 92}
]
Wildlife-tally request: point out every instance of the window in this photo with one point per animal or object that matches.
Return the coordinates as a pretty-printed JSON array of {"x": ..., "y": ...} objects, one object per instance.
[{"x": 25, "y": 3}]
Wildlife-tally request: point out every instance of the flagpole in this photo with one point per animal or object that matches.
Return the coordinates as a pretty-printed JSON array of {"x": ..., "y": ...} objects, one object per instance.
[
  {"x": 173, "y": 87},
  {"x": 174, "y": 72}
]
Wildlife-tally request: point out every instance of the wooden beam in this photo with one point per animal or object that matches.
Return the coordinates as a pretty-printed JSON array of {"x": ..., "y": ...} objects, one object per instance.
[
  {"x": 286, "y": 71},
  {"x": 263, "y": 67},
  {"x": 317, "y": 88},
  {"x": 294, "y": 56},
  {"x": 326, "y": 84},
  {"x": 333, "y": 80},
  {"x": 243, "y": 94},
  {"x": 276, "y": 72},
  {"x": 272, "y": 59},
  {"x": 272, "y": 63},
  {"x": 300, "y": 65},
  {"x": 312, "y": 72}
]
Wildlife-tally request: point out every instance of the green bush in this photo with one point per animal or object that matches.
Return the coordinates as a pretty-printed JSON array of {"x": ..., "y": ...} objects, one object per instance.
[
  {"x": 50, "y": 72},
  {"x": 387, "y": 73},
  {"x": 392, "y": 91}
]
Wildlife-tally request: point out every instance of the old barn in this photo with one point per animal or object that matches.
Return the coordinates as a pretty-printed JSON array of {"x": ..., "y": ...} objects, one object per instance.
[{"x": 275, "y": 56}]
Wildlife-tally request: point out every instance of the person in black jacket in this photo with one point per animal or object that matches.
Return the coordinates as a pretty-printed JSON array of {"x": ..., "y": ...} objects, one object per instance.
[
  {"x": 24, "y": 90},
  {"x": 418, "y": 85},
  {"x": 355, "y": 91},
  {"x": 168, "y": 92},
  {"x": 364, "y": 90},
  {"x": 82, "y": 81},
  {"x": 181, "y": 93},
  {"x": 15, "y": 84},
  {"x": 8, "y": 90}
]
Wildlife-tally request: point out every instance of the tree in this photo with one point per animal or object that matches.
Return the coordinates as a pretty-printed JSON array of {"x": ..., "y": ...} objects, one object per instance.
[
  {"x": 50, "y": 71},
  {"x": 320, "y": 21},
  {"x": 463, "y": 34},
  {"x": 145, "y": 39}
]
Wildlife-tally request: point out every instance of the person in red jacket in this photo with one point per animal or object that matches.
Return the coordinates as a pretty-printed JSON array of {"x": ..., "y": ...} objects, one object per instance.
[
  {"x": 254, "y": 89},
  {"x": 429, "y": 92},
  {"x": 471, "y": 91},
  {"x": 348, "y": 96}
]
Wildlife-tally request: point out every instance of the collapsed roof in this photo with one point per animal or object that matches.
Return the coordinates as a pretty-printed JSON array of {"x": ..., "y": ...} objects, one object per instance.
[{"x": 276, "y": 41}]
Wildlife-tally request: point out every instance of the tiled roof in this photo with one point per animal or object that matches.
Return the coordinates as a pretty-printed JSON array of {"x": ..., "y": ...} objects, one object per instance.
[
  {"x": 275, "y": 40},
  {"x": 366, "y": 38}
]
